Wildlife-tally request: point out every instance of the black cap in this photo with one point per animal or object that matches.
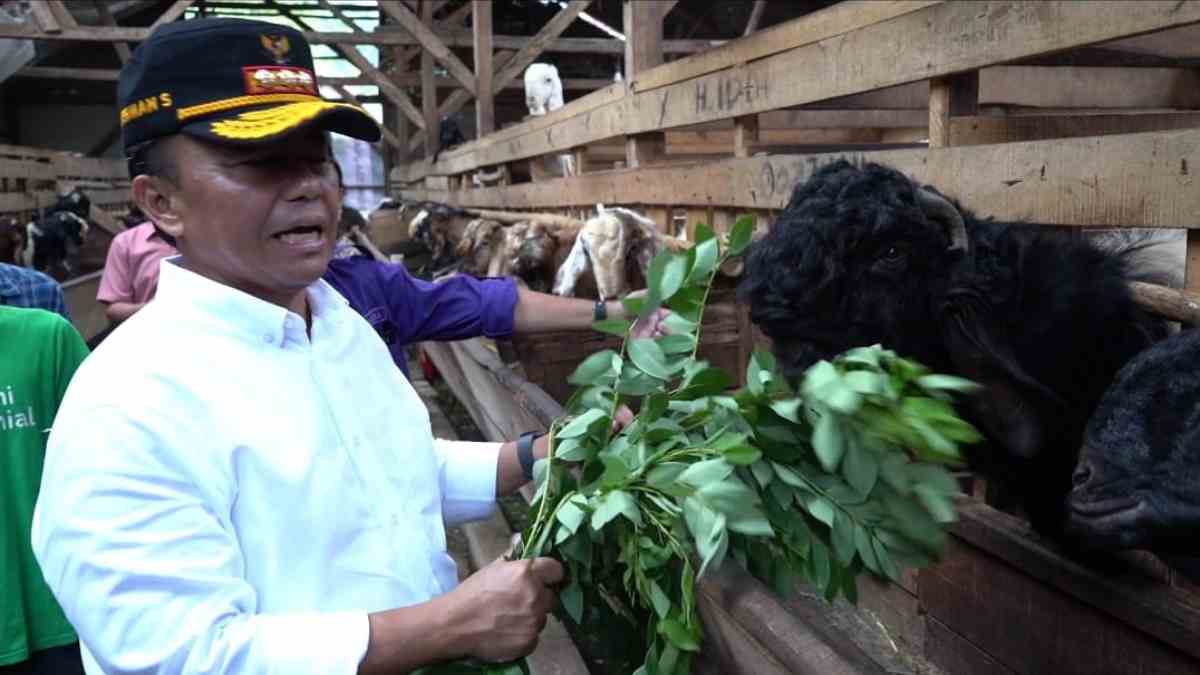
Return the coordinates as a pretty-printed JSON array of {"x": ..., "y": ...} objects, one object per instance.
[{"x": 231, "y": 81}]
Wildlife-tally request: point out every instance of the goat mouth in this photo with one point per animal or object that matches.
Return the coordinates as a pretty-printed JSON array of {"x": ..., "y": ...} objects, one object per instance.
[{"x": 1104, "y": 507}]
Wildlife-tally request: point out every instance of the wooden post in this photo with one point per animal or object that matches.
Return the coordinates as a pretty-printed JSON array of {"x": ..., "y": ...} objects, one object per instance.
[
  {"x": 581, "y": 160},
  {"x": 952, "y": 96},
  {"x": 429, "y": 90},
  {"x": 643, "y": 50},
  {"x": 1191, "y": 263},
  {"x": 745, "y": 135},
  {"x": 537, "y": 168},
  {"x": 485, "y": 103}
]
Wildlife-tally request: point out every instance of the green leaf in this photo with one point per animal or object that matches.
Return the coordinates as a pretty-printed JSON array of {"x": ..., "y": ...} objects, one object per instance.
[
  {"x": 704, "y": 383},
  {"x": 659, "y": 599},
  {"x": 821, "y": 509},
  {"x": 571, "y": 450},
  {"x": 760, "y": 371},
  {"x": 571, "y": 598},
  {"x": 827, "y": 442},
  {"x": 865, "y": 382},
  {"x": 613, "y": 504},
  {"x": 571, "y": 514},
  {"x": 706, "y": 472},
  {"x": 634, "y": 382},
  {"x": 648, "y": 356},
  {"x": 703, "y": 233},
  {"x": 677, "y": 344},
  {"x": 594, "y": 367},
  {"x": 741, "y": 235},
  {"x": 788, "y": 409},
  {"x": 762, "y": 472},
  {"x": 580, "y": 425},
  {"x": 633, "y": 306},
  {"x": 665, "y": 276},
  {"x": 653, "y": 407},
  {"x": 938, "y": 505},
  {"x": 842, "y": 538},
  {"x": 706, "y": 253},
  {"x": 884, "y": 559},
  {"x": 947, "y": 383},
  {"x": 679, "y": 635},
  {"x": 618, "y": 327},
  {"x": 860, "y": 469},
  {"x": 744, "y": 455},
  {"x": 866, "y": 551},
  {"x": 677, "y": 325}
]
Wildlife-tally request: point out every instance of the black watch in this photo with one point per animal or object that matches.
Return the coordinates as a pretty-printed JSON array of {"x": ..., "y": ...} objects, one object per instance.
[
  {"x": 525, "y": 451},
  {"x": 599, "y": 311}
]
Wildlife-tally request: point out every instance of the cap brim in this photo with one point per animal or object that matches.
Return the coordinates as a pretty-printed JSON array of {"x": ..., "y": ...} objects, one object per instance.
[{"x": 269, "y": 124}]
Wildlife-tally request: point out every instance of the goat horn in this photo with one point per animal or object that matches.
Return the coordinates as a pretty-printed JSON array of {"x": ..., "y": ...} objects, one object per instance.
[{"x": 940, "y": 209}]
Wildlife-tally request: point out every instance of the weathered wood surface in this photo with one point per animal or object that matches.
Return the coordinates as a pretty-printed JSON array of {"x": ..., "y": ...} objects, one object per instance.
[
  {"x": 87, "y": 315},
  {"x": 982, "y": 130},
  {"x": 936, "y": 41},
  {"x": 1134, "y": 180}
]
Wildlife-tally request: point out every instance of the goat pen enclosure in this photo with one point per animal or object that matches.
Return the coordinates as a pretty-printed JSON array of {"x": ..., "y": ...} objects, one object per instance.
[
  {"x": 1071, "y": 114},
  {"x": 31, "y": 180}
]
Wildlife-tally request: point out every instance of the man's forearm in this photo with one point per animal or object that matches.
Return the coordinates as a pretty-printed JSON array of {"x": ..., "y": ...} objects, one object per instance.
[
  {"x": 544, "y": 312},
  {"x": 509, "y": 474},
  {"x": 408, "y": 638},
  {"x": 119, "y": 311}
]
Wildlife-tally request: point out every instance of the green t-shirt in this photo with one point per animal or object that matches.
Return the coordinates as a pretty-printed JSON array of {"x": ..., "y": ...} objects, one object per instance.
[{"x": 39, "y": 352}]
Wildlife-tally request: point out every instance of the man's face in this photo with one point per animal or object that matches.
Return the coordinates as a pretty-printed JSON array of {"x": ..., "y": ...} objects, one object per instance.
[{"x": 262, "y": 220}]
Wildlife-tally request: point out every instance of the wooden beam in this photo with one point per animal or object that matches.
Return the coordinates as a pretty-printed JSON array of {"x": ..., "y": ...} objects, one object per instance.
[
  {"x": 955, "y": 95},
  {"x": 388, "y": 136},
  {"x": 173, "y": 12},
  {"x": 1127, "y": 180},
  {"x": 820, "y": 25},
  {"x": 55, "y": 73},
  {"x": 457, "y": 99},
  {"x": 44, "y": 17},
  {"x": 535, "y": 46},
  {"x": 1076, "y": 87},
  {"x": 386, "y": 86},
  {"x": 665, "y": 7},
  {"x": 428, "y": 89},
  {"x": 983, "y": 130},
  {"x": 107, "y": 19},
  {"x": 643, "y": 51},
  {"x": 485, "y": 102},
  {"x": 60, "y": 12},
  {"x": 755, "y": 16},
  {"x": 431, "y": 42},
  {"x": 745, "y": 135},
  {"x": 940, "y": 40}
]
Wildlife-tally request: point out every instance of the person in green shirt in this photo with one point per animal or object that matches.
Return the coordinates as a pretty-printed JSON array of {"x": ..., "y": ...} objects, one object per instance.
[{"x": 39, "y": 352}]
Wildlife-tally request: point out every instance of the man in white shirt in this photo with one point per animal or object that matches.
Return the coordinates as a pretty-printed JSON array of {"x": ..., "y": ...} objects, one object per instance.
[{"x": 238, "y": 480}]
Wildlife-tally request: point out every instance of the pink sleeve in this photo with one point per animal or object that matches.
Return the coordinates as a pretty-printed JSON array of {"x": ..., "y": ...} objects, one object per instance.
[{"x": 116, "y": 283}]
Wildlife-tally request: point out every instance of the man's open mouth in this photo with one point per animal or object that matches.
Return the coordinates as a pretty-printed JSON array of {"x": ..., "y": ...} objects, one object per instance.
[{"x": 299, "y": 235}]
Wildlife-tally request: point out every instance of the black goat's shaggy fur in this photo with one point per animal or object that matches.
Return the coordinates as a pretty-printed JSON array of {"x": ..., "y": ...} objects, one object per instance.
[{"x": 1041, "y": 319}]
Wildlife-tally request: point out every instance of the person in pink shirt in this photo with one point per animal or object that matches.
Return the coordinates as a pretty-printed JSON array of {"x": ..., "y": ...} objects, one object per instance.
[{"x": 131, "y": 270}]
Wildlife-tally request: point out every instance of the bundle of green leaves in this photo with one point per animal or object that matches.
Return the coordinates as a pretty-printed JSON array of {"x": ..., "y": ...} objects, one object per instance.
[{"x": 843, "y": 476}]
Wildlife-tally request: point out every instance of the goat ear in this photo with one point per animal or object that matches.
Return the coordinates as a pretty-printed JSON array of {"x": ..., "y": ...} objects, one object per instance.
[
  {"x": 1011, "y": 405},
  {"x": 938, "y": 208}
]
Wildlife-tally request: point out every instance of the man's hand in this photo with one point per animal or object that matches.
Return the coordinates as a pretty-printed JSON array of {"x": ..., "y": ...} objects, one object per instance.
[
  {"x": 651, "y": 326},
  {"x": 499, "y": 611}
]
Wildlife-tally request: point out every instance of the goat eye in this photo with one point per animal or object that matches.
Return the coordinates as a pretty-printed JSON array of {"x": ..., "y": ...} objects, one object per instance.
[{"x": 892, "y": 257}]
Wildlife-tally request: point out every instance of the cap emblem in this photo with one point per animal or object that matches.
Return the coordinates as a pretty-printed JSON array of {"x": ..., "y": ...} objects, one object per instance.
[{"x": 278, "y": 46}]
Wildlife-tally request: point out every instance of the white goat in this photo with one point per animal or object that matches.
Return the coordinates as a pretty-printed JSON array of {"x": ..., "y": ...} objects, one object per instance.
[
  {"x": 543, "y": 94},
  {"x": 605, "y": 243}
]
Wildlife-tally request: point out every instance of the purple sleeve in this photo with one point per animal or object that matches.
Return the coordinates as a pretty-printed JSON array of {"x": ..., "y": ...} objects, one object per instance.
[{"x": 455, "y": 308}]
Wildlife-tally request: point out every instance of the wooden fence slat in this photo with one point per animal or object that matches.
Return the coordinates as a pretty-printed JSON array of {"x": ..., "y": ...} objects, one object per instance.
[{"x": 1134, "y": 180}]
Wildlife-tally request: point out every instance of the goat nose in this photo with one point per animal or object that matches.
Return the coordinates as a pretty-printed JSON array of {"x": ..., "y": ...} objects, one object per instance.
[{"x": 1083, "y": 473}]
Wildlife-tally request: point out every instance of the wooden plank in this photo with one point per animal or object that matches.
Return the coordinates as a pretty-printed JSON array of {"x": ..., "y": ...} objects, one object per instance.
[
  {"x": 643, "y": 50},
  {"x": 485, "y": 102},
  {"x": 60, "y": 12},
  {"x": 936, "y": 41},
  {"x": 44, "y": 17},
  {"x": 25, "y": 169},
  {"x": 419, "y": 28},
  {"x": 107, "y": 19},
  {"x": 1131, "y": 180},
  {"x": 455, "y": 101},
  {"x": 87, "y": 315},
  {"x": 980, "y": 130},
  {"x": 955, "y": 654},
  {"x": 724, "y": 142},
  {"x": 1191, "y": 264},
  {"x": 536, "y": 45},
  {"x": 755, "y": 17},
  {"x": 432, "y": 121},
  {"x": 386, "y": 86},
  {"x": 173, "y": 12},
  {"x": 1076, "y": 87},
  {"x": 745, "y": 135},
  {"x": 820, "y": 25},
  {"x": 1052, "y": 604},
  {"x": 954, "y": 95}
]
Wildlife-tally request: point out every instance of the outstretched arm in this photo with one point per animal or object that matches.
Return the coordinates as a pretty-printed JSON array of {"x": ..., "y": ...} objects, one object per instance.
[{"x": 539, "y": 312}]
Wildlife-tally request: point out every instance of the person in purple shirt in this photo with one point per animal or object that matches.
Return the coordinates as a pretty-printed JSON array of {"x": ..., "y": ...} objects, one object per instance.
[{"x": 403, "y": 309}]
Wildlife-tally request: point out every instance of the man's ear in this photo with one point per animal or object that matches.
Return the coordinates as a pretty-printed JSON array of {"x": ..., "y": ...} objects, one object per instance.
[{"x": 158, "y": 199}]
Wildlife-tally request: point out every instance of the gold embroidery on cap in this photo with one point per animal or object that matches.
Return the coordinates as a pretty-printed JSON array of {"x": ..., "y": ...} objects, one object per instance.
[
  {"x": 278, "y": 79},
  {"x": 278, "y": 46},
  {"x": 240, "y": 102},
  {"x": 145, "y": 106},
  {"x": 258, "y": 124}
]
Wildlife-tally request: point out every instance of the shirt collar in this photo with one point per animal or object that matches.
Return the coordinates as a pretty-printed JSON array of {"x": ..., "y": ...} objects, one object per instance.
[{"x": 241, "y": 312}]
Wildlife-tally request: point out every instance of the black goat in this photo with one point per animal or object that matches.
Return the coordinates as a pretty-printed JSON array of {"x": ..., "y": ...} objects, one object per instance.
[
  {"x": 450, "y": 134},
  {"x": 863, "y": 256}
]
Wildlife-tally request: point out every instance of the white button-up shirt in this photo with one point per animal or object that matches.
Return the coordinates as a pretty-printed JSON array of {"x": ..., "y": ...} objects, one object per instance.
[{"x": 225, "y": 494}]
